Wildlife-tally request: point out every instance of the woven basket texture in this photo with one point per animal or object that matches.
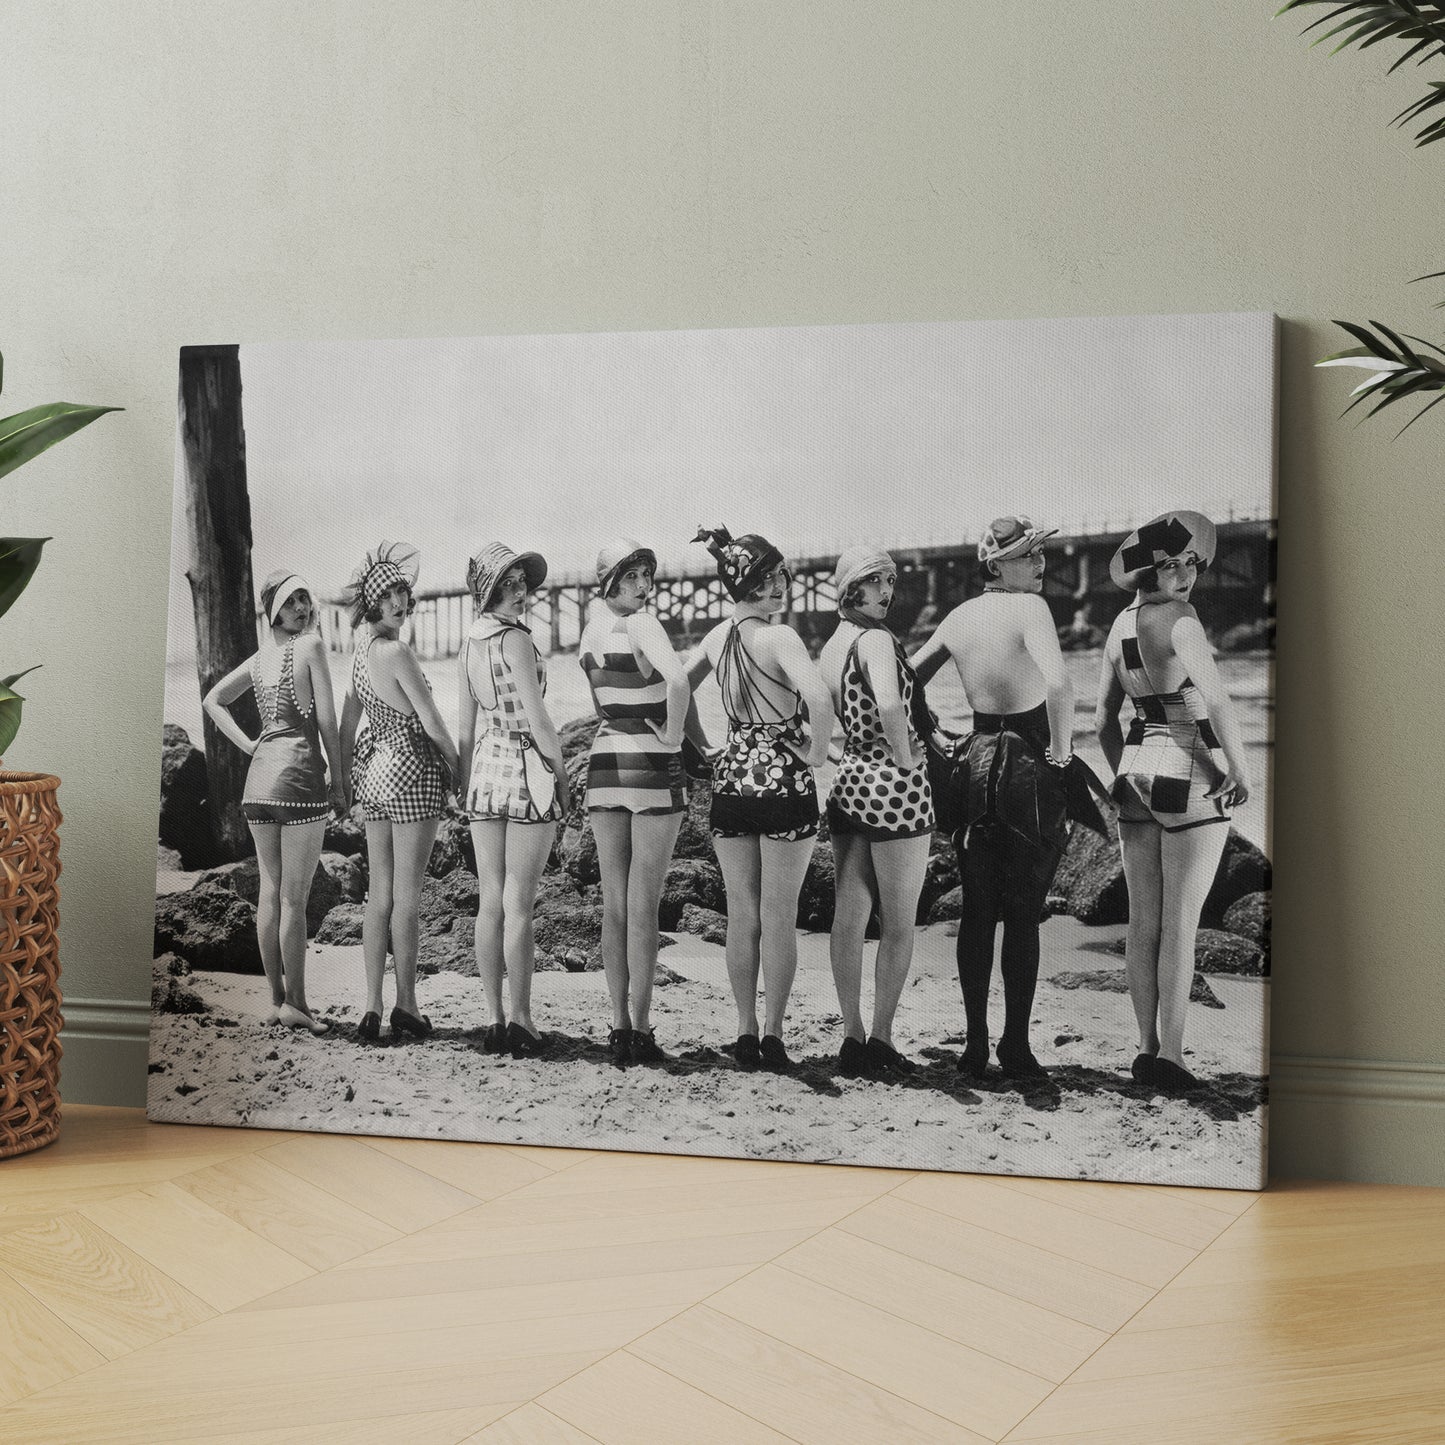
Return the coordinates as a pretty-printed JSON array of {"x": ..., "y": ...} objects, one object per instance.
[{"x": 29, "y": 962}]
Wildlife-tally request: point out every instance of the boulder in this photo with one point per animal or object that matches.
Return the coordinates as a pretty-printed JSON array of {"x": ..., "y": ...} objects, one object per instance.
[
  {"x": 346, "y": 835},
  {"x": 694, "y": 837},
  {"x": 579, "y": 855},
  {"x": 168, "y": 860},
  {"x": 1112, "y": 980},
  {"x": 185, "y": 820},
  {"x": 816, "y": 900},
  {"x": 172, "y": 996},
  {"x": 946, "y": 906},
  {"x": 691, "y": 881},
  {"x": 940, "y": 877},
  {"x": 244, "y": 879},
  {"x": 1242, "y": 870},
  {"x": 349, "y": 874},
  {"x": 567, "y": 923},
  {"x": 342, "y": 925},
  {"x": 1217, "y": 952},
  {"x": 1250, "y": 918},
  {"x": 704, "y": 923},
  {"x": 453, "y": 848},
  {"x": 210, "y": 926},
  {"x": 447, "y": 903},
  {"x": 576, "y": 738},
  {"x": 1090, "y": 879},
  {"x": 454, "y": 951}
]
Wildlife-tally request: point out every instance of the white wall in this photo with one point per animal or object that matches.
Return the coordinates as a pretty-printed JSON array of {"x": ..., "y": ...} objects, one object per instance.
[{"x": 226, "y": 171}]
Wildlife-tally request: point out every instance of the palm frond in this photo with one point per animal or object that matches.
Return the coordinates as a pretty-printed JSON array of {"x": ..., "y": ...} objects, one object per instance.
[{"x": 1398, "y": 371}]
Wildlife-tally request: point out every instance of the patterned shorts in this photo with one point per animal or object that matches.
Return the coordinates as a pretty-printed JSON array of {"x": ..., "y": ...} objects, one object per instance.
[{"x": 401, "y": 786}]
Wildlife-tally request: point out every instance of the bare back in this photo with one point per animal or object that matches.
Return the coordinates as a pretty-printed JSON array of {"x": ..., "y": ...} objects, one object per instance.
[
  {"x": 1154, "y": 624},
  {"x": 986, "y": 638}
]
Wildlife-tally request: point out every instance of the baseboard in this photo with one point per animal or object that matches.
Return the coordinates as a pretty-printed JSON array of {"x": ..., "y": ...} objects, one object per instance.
[{"x": 1358, "y": 1119}]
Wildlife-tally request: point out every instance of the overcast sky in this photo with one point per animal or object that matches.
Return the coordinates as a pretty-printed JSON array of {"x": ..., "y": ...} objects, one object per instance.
[{"x": 814, "y": 436}]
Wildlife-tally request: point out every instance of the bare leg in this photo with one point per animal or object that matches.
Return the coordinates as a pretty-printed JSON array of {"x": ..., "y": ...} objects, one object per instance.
[
  {"x": 489, "y": 839},
  {"x": 741, "y": 862},
  {"x": 899, "y": 867},
  {"x": 528, "y": 845},
  {"x": 412, "y": 845},
  {"x": 1140, "y": 847},
  {"x": 1189, "y": 862},
  {"x": 267, "y": 837},
  {"x": 653, "y": 838},
  {"x": 784, "y": 865},
  {"x": 376, "y": 924},
  {"x": 300, "y": 853},
  {"x": 855, "y": 889},
  {"x": 612, "y": 828}
]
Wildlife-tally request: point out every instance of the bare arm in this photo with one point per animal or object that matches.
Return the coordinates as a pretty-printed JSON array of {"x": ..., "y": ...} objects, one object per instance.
[
  {"x": 408, "y": 674},
  {"x": 650, "y": 638},
  {"x": 313, "y": 657},
  {"x": 876, "y": 653},
  {"x": 520, "y": 656},
  {"x": 350, "y": 720},
  {"x": 1192, "y": 648},
  {"x": 700, "y": 663},
  {"x": 466, "y": 723},
  {"x": 1106, "y": 714},
  {"x": 1042, "y": 641},
  {"x": 217, "y": 705},
  {"x": 931, "y": 656},
  {"x": 802, "y": 672}
]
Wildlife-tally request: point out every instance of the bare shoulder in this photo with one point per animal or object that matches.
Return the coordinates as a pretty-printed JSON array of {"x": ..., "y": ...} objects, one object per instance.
[
  {"x": 713, "y": 639},
  {"x": 645, "y": 629},
  {"x": 876, "y": 647},
  {"x": 310, "y": 648}
]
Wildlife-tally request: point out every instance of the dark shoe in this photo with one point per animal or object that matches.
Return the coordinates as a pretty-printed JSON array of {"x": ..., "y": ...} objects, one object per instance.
[
  {"x": 973, "y": 1061},
  {"x": 884, "y": 1057},
  {"x": 853, "y": 1059},
  {"x": 645, "y": 1049},
  {"x": 1017, "y": 1062},
  {"x": 403, "y": 1023},
  {"x": 1142, "y": 1069},
  {"x": 525, "y": 1045},
  {"x": 619, "y": 1045},
  {"x": 747, "y": 1051},
  {"x": 368, "y": 1031},
  {"x": 774, "y": 1055},
  {"x": 494, "y": 1041},
  {"x": 1172, "y": 1078}
]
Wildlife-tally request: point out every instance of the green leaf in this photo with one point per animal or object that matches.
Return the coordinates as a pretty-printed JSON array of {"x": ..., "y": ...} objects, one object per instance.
[
  {"x": 19, "y": 557},
  {"x": 16, "y": 676},
  {"x": 28, "y": 433},
  {"x": 10, "y": 705}
]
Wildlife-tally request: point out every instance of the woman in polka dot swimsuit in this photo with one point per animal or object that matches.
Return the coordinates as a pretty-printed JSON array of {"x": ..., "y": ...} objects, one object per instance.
[
  {"x": 765, "y": 802},
  {"x": 880, "y": 812}
]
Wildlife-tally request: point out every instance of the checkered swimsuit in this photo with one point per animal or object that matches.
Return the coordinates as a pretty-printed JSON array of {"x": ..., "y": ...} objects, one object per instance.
[
  {"x": 507, "y": 768},
  {"x": 398, "y": 775},
  {"x": 1169, "y": 760}
]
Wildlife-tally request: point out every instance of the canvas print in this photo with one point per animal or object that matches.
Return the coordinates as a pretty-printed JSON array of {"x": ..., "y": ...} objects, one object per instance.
[{"x": 838, "y": 744}]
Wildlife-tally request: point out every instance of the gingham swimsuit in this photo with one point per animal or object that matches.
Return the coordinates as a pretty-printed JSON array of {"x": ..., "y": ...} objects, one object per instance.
[{"x": 398, "y": 774}]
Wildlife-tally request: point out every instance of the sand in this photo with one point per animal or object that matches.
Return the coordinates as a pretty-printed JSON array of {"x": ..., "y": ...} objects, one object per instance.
[{"x": 227, "y": 1067}]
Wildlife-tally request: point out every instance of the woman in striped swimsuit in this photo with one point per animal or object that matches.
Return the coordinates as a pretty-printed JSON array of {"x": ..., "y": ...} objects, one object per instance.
[
  {"x": 635, "y": 789},
  {"x": 402, "y": 770},
  {"x": 515, "y": 785},
  {"x": 1177, "y": 775},
  {"x": 287, "y": 798},
  {"x": 764, "y": 801}
]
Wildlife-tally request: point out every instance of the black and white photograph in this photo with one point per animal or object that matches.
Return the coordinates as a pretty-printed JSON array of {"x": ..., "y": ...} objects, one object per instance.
[{"x": 832, "y": 744}]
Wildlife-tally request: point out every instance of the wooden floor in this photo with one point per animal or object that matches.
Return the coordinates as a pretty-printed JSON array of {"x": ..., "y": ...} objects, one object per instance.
[{"x": 169, "y": 1283}]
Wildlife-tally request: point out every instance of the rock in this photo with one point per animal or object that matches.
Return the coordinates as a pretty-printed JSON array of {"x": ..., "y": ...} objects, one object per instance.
[
  {"x": 940, "y": 876},
  {"x": 816, "y": 900},
  {"x": 947, "y": 906},
  {"x": 662, "y": 975},
  {"x": 455, "y": 951},
  {"x": 695, "y": 881},
  {"x": 346, "y": 835},
  {"x": 172, "y": 965},
  {"x": 568, "y": 923},
  {"x": 1242, "y": 870},
  {"x": 1104, "y": 980},
  {"x": 1201, "y": 993},
  {"x": 580, "y": 857},
  {"x": 1090, "y": 879},
  {"x": 447, "y": 903},
  {"x": 694, "y": 837},
  {"x": 349, "y": 874},
  {"x": 185, "y": 820},
  {"x": 342, "y": 925},
  {"x": 704, "y": 923},
  {"x": 168, "y": 860},
  {"x": 1249, "y": 917},
  {"x": 171, "y": 996},
  {"x": 210, "y": 926},
  {"x": 453, "y": 848},
  {"x": 576, "y": 738},
  {"x": 244, "y": 878},
  {"x": 1217, "y": 952}
]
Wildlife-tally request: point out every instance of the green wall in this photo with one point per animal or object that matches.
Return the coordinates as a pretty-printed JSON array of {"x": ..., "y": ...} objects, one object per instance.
[{"x": 258, "y": 171}]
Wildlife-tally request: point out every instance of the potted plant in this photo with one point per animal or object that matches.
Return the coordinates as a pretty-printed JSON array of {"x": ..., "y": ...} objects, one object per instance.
[{"x": 29, "y": 846}]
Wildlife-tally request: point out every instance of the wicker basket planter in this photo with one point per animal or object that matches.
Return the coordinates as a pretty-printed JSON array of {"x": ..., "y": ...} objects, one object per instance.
[{"x": 29, "y": 962}]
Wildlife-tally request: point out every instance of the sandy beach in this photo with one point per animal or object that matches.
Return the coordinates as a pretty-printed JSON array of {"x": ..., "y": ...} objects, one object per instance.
[{"x": 226, "y": 1067}]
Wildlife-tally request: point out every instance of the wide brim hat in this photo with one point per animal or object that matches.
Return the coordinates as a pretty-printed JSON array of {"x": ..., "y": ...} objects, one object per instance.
[
  {"x": 493, "y": 562},
  {"x": 1008, "y": 537},
  {"x": 1171, "y": 534},
  {"x": 857, "y": 562},
  {"x": 617, "y": 556}
]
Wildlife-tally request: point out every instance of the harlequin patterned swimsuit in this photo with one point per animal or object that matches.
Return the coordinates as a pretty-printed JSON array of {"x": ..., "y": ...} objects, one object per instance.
[
  {"x": 629, "y": 769},
  {"x": 761, "y": 786},
  {"x": 286, "y": 782},
  {"x": 398, "y": 774},
  {"x": 872, "y": 796},
  {"x": 1169, "y": 761},
  {"x": 510, "y": 777}
]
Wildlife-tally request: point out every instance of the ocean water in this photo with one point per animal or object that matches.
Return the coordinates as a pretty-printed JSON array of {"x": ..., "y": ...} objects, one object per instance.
[{"x": 1248, "y": 678}]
